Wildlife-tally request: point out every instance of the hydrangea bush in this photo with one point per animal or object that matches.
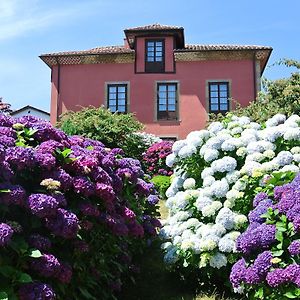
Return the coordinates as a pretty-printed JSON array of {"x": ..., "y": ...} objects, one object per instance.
[
  {"x": 154, "y": 158},
  {"x": 72, "y": 213},
  {"x": 216, "y": 172},
  {"x": 270, "y": 266}
]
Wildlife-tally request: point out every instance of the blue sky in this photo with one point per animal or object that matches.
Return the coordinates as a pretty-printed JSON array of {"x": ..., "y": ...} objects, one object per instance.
[{"x": 29, "y": 28}]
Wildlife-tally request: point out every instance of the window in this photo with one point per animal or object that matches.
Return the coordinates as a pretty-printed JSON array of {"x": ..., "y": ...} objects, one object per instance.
[
  {"x": 117, "y": 97},
  {"x": 155, "y": 56},
  {"x": 167, "y": 101},
  {"x": 169, "y": 138},
  {"x": 218, "y": 97}
]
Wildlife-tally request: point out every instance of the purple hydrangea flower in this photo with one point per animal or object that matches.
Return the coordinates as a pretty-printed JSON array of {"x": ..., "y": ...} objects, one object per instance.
[
  {"x": 81, "y": 246},
  {"x": 21, "y": 158},
  {"x": 40, "y": 242},
  {"x": 143, "y": 188},
  {"x": 83, "y": 186},
  {"x": 89, "y": 209},
  {"x": 5, "y": 120},
  {"x": 7, "y": 141},
  {"x": 101, "y": 176},
  {"x": 62, "y": 176},
  {"x": 42, "y": 205},
  {"x": 294, "y": 248},
  {"x": 8, "y": 131},
  {"x": 128, "y": 214},
  {"x": 34, "y": 291},
  {"x": 259, "y": 197},
  {"x": 47, "y": 265},
  {"x": 238, "y": 271},
  {"x": 136, "y": 229},
  {"x": 65, "y": 273},
  {"x": 153, "y": 199},
  {"x": 6, "y": 173},
  {"x": 6, "y": 233},
  {"x": 64, "y": 224},
  {"x": 16, "y": 194},
  {"x": 49, "y": 147},
  {"x": 45, "y": 160},
  {"x": 107, "y": 194}
]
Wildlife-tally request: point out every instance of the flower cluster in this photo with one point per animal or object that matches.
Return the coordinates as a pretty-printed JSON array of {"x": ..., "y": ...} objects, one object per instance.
[
  {"x": 155, "y": 156},
  {"x": 63, "y": 199},
  {"x": 216, "y": 172},
  {"x": 275, "y": 232}
]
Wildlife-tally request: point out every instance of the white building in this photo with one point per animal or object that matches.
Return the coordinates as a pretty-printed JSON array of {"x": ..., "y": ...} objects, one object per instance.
[{"x": 31, "y": 111}]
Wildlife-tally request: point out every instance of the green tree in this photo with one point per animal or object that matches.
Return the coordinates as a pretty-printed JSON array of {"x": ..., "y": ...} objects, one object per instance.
[{"x": 5, "y": 107}]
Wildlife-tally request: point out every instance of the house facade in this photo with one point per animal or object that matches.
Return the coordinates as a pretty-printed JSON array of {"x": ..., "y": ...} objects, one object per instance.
[
  {"x": 170, "y": 86},
  {"x": 29, "y": 110}
]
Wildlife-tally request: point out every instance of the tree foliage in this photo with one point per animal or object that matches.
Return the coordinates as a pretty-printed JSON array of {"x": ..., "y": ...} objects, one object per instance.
[
  {"x": 279, "y": 96},
  {"x": 4, "y": 107}
]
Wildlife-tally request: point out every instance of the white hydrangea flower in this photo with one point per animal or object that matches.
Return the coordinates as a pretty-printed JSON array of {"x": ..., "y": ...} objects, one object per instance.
[
  {"x": 229, "y": 203},
  {"x": 296, "y": 157},
  {"x": 242, "y": 151},
  {"x": 218, "y": 261},
  {"x": 295, "y": 150},
  {"x": 218, "y": 230},
  {"x": 220, "y": 188},
  {"x": 176, "y": 147},
  {"x": 234, "y": 194},
  {"x": 204, "y": 134},
  {"x": 228, "y": 145},
  {"x": 171, "y": 256},
  {"x": 208, "y": 244},
  {"x": 208, "y": 181},
  {"x": 225, "y": 164},
  {"x": 291, "y": 168},
  {"x": 187, "y": 151},
  {"x": 225, "y": 217},
  {"x": 215, "y": 127},
  {"x": 270, "y": 134},
  {"x": 269, "y": 154},
  {"x": 177, "y": 240},
  {"x": 166, "y": 245},
  {"x": 240, "y": 220},
  {"x": 210, "y": 155},
  {"x": 226, "y": 244},
  {"x": 208, "y": 211},
  {"x": 189, "y": 183},
  {"x": 233, "y": 176},
  {"x": 254, "y": 125},
  {"x": 201, "y": 202},
  {"x": 293, "y": 118},
  {"x": 292, "y": 134},
  {"x": 207, "y": 172},
  {"x": 240, "y": 185},
  {"x": 256, "y": 156},
  {"x": 170, "y": 160},
  {"x": 214, "y": 142},
  {"x": 237, "y": 130},
  {"x": 244, "y": 121},
  {"x": 283, "y": 158},
  {"x": 275, "y": 120},
  {"x": 269, "y": 166},
  {"x": 194, "y": 138},
  {"x": 249, "y": 167}
]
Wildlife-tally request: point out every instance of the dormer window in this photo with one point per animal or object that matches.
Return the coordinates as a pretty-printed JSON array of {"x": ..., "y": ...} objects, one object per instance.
[{"x": 155, "y": 56}]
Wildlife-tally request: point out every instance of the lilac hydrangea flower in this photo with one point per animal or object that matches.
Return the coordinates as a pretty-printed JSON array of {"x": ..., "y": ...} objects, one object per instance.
[
  {"x": 6, "y": 233},
  {"x": 36, "y": 290},
  {"x": 64, "y": 224},
  {"x": 8, "y": 131},
  {"x": 89, "y": 209},
  {"x": 153, "y": 199},
  {"x": 21, "y": 158},
  {"x": 16, "y": 194},
  {"x": 40, "y": 242},
  {"x": 260, "y": 209},
  {"x": 47, "y": 265},
  {"x": 83, "y": 186},
  {"x": 294, "y": 248},
  {"x": 238, "y": 271},
  {"x": 45, "y": 160},
  {"x": 42, "y": 205},
  {"x": 259, "y": 197}
]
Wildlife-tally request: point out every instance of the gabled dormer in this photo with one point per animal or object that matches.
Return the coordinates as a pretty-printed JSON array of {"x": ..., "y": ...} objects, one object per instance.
[{"x": 154, "y": 47}]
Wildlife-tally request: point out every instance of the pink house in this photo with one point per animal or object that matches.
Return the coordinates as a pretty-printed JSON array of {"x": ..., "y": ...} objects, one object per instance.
[{"x": 170, "y": 85}]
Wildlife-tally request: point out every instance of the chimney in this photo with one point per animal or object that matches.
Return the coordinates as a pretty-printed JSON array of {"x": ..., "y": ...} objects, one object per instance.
[{"x": 126, "y": 45}]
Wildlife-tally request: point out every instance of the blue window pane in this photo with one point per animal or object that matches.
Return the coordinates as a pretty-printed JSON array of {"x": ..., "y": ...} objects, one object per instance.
[
  {"x": 162, "y": 94},
  {"x": 112, "y": 89},
  {"x": 112, "y": 108},
  {"x": 150, "y": 59},
  {"x": 172, "y": 87},
  {"x": 121, "y": 102},
  {"x": 162, "y": 88},
  {"x": 213, "y": 87},
  {"x": 214, "y": 100},
  {"x": 223, "y": 100},
  {"x": 171, "y": 94},
  {"x": 158, "y": 58},
  {"x": 121, "y": 89},
  {"x": 162, "y": 101},
  {"x": 171, "y": 107},
  {"x": 159, "y": 53},
  {"x": 162, "y": 107},
  {"x": 223, "y": 87},
  {"x": 171, "y": 100},
  {"x": 150, "y": 54},
  {"x": 223, "y": 94},
  {"x": 214, "y": 107},
  {"x": 223, "y": 107},
  {"x": 121, "y": 108},
  {"x": 121, "y": 96},
  {"x": 158, "y": 44},
  {"x": 214, "y": 94},
  {"x": 150, "y": 44},
  {"x": 113, "y": 102},
  {"x": 112, "y": 96}
]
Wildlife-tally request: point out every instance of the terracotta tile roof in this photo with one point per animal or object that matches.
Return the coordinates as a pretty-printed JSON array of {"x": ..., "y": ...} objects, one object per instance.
[
  {"x": 155, "y": 26},
  {"x": 98, "y": 50},
  {"x": 222, "y": 47}
]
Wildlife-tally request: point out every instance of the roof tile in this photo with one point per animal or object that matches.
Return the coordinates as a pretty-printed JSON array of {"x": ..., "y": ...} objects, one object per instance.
[
  {"x": 155, "y": 26},
  {"x": 222, "y": 47}
]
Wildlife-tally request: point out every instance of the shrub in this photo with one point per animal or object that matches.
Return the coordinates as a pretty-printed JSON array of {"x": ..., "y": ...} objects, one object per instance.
[
  {"x": 161, "y": 184},
  {"x": 101, "y": 124},
  {"x": 270, "y": 266},
  {"x": 216, "y": 172},
  {"x": 155, "y": 156},
  {"x": 73, "y": 213}
]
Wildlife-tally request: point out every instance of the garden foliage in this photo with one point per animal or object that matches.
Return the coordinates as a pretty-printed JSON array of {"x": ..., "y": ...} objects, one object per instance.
[
  {"x": 270, "y": 266},
  {"x": 72, "y": 213},
  {"x": 216, "y": 173}
]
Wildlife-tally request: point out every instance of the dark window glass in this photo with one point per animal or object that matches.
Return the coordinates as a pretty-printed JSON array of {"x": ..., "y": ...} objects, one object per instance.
[
  {"x": 117, "y": 97},
  {"x": 154, "y": 56},
  {"x": 218, "y": 97},
  {"x": 167, "y": 101}
]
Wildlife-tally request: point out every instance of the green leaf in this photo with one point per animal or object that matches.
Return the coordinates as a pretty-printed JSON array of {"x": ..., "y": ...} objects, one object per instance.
[
  {"x": 279, "y": 236},
  {"x": 3, "y": 296},
  {"x": 7, "y": 271},
  {"x": 290, "y": 295},
  {"x": 24, "y": 278},
  {"x": 277, "y": 252},
  {"x": 35, "y": 253}
]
